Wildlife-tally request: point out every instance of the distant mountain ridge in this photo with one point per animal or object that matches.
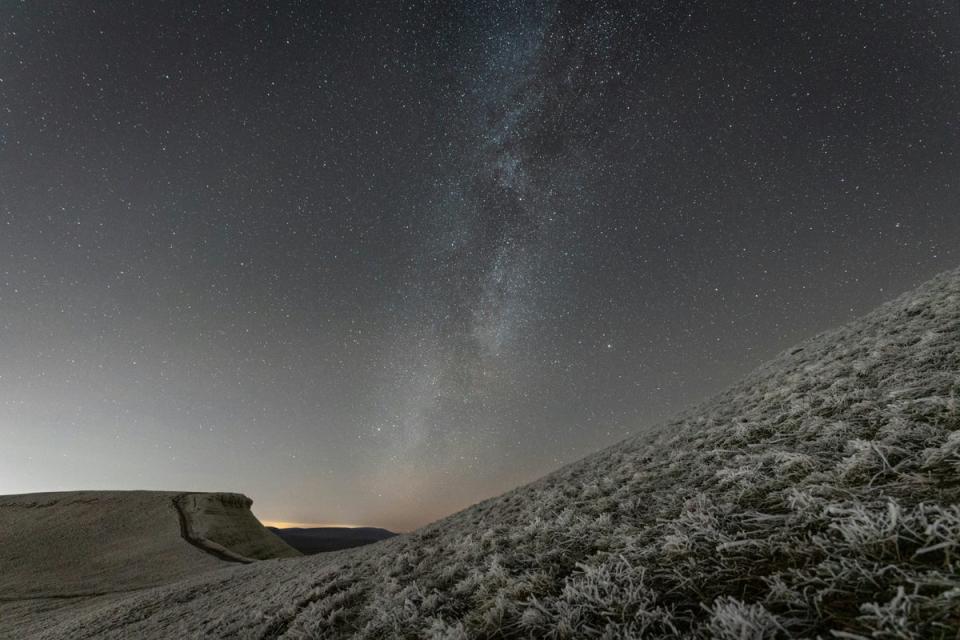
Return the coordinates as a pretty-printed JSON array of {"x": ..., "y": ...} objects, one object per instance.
[
  {"x": 816, "y": 498},
  {"x": 310, "y": 540}
]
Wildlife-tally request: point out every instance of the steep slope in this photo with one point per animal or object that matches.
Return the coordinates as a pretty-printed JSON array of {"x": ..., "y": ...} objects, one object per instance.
[
  {"x": 71, "y": 546},
  {"x": 222, "y": 524},
  {"x": 818, "y": 497}
]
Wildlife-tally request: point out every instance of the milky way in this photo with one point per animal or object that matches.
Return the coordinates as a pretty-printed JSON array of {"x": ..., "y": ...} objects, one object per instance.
[{"x": 372, "y": 264}]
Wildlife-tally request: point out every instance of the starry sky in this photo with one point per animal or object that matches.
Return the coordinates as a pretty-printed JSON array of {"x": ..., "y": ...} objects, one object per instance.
[{"x": 371, "y": 262}]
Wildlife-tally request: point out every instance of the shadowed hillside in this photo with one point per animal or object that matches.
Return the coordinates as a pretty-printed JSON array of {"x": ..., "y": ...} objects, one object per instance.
[{"x": 817, "y": 497}]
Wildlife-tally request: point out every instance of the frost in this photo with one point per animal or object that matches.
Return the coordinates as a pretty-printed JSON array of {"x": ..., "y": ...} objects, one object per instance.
[{"x": 731, "y": 619}]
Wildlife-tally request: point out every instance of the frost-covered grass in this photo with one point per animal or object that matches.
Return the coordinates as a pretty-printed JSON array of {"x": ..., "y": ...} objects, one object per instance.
[{"x": 820, "y": 497}]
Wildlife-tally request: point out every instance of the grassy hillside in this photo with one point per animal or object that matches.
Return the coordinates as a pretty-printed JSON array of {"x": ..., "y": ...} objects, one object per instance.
[
  {"x": 60, "y": 549},
  {"x": 88, "y": 542},
  {"x": 818, "y": 497}
]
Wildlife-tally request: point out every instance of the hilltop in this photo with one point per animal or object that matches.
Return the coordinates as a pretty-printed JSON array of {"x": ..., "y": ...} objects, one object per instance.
[{"x": 66, "y": 548}]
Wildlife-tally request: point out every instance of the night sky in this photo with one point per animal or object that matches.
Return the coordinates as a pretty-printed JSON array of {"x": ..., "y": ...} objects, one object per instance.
[{"x": 370, "y": 264}]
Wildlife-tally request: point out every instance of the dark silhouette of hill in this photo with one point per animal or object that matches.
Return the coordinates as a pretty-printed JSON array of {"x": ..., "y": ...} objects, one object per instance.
[{"x": 310, "y": 540}]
